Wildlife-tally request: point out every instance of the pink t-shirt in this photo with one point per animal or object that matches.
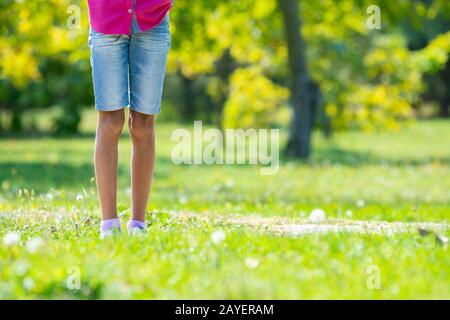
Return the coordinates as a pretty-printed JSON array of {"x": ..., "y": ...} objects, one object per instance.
[{"x": 116, "y": 16}]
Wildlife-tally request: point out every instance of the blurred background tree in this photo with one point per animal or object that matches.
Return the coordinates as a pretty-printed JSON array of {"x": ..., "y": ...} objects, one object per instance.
[
  {"x": 43, "y": 63},
  {"x": 237, "y": 64}
]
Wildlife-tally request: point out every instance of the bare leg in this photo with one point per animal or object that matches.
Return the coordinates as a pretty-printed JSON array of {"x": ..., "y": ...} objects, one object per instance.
[
  {"x": 142, "y": 130},
  {"x": 109, "y": 127}
]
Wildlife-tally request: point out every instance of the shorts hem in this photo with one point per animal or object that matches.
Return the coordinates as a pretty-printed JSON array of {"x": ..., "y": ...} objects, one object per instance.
[
  {"x": 141, "y": 110},
  {"x": 123, "y": 106}
]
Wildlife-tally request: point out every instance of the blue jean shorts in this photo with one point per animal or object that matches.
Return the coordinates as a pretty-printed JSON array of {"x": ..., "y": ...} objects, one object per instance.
[{"x": 129, "y": 70}]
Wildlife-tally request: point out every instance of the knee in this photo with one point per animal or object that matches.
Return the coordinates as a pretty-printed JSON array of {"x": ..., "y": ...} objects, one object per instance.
[
  {"x": 141, "y": 126},
  {"x": 111, "y": 123}
]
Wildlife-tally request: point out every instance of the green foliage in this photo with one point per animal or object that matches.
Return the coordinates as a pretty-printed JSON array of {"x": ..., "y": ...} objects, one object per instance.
[
  {"x": 370, "y": 79},
  {"x": 43, "y": 62},
  {"x": 362, "y": 86},
  {"x": 435, "y": 55},
  {"x": 393, "y": 85},
  {"x": 255, "y": 101}
]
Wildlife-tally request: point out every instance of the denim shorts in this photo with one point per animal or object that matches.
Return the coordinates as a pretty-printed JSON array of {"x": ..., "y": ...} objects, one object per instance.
[{"x": 129, "y": 70}]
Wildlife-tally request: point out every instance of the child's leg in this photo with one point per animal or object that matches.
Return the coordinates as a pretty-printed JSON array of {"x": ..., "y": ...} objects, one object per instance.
[
  {"x": 110, "y": 124},
  {"x": 147, "y": 58},
  {"x": 109, "y": 60},
  {"x": 142, "y": 131}
]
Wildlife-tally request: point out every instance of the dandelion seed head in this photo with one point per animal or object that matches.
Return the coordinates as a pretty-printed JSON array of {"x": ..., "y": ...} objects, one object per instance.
[
  {"x": 22, "y": 267},
  {"x": 317, "y": 215},
  {"x": 33, "y": 245},
  {"x": 11, "y": 239},
  {"x": 218, "y": 236},
  {"x": 251, "y": 263},
  {"x": 183, "y": 199},
  {"x": 28, "y": 283},
  {"x": 49, "y": 196},
  {"x": 360, "y": 203},
  {"x": 229, "y": 183}
]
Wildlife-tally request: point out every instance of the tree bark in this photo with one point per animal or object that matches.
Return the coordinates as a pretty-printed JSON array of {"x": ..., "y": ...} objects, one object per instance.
[
  {"x": 16, "y": 121},
  {"x": 303, "y": 90},
  {"x": 225, "y": 67},
  {"x": 188, "y": 111},
  {"x": 444, "y": 101}
]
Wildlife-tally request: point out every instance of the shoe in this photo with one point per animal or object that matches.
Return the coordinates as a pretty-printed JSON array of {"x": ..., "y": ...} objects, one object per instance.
[
  {"x": 109, "y": 228},
  {"x": 136, "y": 227},
  {"x": 137, "y": 231},
  {"x": 109, "y": 233}
]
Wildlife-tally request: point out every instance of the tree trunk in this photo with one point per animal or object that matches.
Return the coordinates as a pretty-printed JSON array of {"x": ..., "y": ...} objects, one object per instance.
[
  {"x": 444, "y": 106},
  {"x": 188, "y": 111},
  {"x": 16, "y": 121},
  {"x": 303, "y": 90},
  {"x": 225, "y": 67},
  {"x": 444, "y": 101}
]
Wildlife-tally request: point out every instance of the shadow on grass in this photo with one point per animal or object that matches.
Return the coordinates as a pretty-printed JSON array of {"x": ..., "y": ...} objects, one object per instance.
[
  {"x": 43, "y": 176},
  {"x": 30, "y": 135},
  {"x": 352, "y": 158}
]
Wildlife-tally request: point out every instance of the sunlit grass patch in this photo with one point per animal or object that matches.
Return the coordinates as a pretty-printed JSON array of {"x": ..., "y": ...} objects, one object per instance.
[
  {"x": 366, "y": 207},
  {"x": 206, "y": 258}
]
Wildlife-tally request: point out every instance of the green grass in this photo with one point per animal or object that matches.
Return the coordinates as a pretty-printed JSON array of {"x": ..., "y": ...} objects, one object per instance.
[{"x": 402, "y": 176}]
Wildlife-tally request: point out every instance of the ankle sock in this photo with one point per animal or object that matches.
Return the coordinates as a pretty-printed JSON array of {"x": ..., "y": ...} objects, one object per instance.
[{"x": 110, "y": 224}]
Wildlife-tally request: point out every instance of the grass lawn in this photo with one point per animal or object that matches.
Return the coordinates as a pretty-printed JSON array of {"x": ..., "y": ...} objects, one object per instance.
[{"x": 227, "y": 231}]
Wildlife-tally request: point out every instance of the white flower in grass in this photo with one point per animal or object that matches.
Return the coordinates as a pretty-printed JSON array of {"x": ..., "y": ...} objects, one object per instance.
[
  {"x": 49, "y": 196},
  {"x": 22, "y": 267},
  {"x": 183, "y": 199},
  {"x": 218, "y": 236},
  {"x": 28, "y": 283},
  {"x": 361, "y": 203},
  {"x": 317, "y": 215},
  {"x": 11, "y": 239},
  {"x": 79, "y": 197},
  {"x": 33, "y": 245},
  {"x": 229, "y": 183},
  {"x": 251, "y": 263}
]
